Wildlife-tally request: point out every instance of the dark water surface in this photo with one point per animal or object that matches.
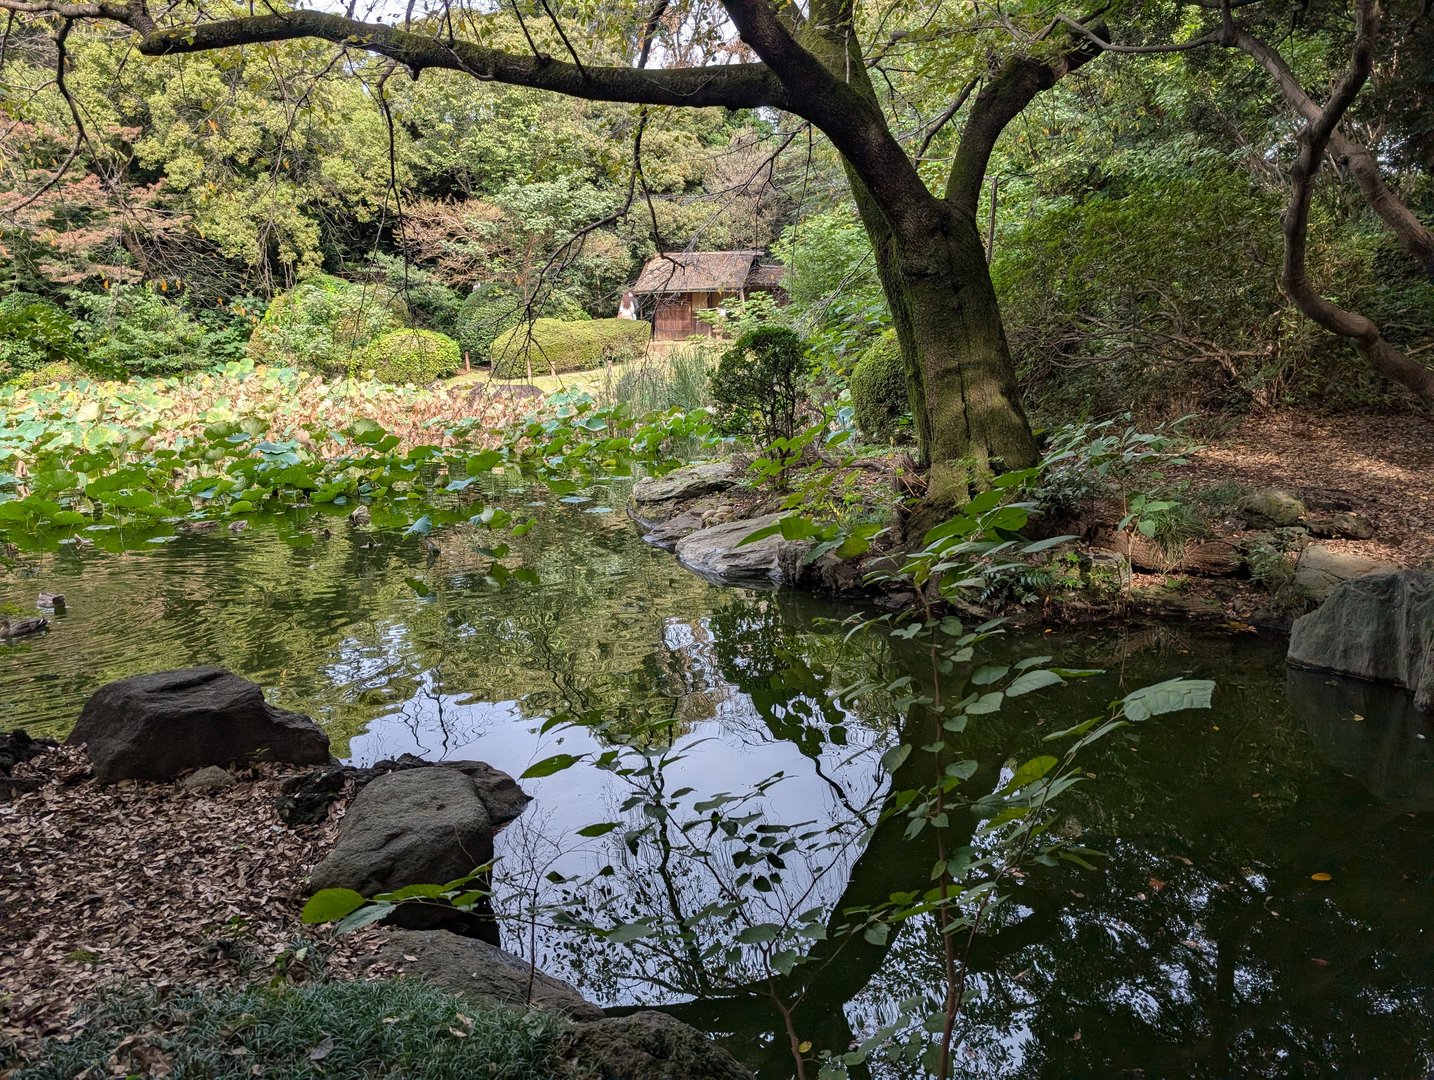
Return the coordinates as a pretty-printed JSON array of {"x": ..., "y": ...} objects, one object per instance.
[{"x": 1200, "y": 945}]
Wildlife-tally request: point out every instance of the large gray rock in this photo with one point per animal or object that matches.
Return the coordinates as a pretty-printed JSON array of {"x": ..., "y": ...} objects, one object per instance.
[
  {"x": 1321, "y": 568},
  {"x": 718, "y": 555},
  {"x": 477, "y": 969},
  {"x": 689, "y": 482},
  {"x": 1378, "y": 627},
  {"x": 649, "y": 1046},
  {"x": 154, "y": 727},
  {"x": 417, "y": 827}
]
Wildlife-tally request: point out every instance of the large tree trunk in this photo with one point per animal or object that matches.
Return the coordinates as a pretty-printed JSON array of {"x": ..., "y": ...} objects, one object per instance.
[{"x": 969, "y": 412}]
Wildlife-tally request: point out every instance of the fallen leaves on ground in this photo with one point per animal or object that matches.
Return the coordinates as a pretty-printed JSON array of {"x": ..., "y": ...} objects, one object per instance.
[{"x": 145, "y": 882}]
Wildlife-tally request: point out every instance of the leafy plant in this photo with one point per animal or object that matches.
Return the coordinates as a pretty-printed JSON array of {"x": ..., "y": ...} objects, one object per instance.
[
  {"x": 758, "y": 389},
  {"x": 410, "y": 356},
  {"x": 550, "y": 345}
]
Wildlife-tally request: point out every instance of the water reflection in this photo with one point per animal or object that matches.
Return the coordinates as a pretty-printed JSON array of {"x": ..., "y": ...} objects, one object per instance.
[{"x": 1198, "y": 946}]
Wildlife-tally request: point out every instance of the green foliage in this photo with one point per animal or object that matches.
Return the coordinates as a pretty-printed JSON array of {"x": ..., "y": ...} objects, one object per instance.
[
  {"x": 1166, "y": 293},
  {"x": 680, "y": 380},
  {"x": 411, "y": 356},
  {"x": 551, "y": 345},
  {"x": 323, "y": 324},
  {"x": 131, "y": 330},
  {"x": 832, "y": 283},
  {"x": 492, "y": 309},
  {"x": 759, "y": 382},
  {"x": 878, "y": 390},
  {"x": 34, "y": 333},
  {"x": 381, "y": 1029}
]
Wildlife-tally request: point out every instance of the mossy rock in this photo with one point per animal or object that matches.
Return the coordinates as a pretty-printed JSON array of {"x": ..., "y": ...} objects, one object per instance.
[
  {"x": 324, "y": 322},
  {"x": 878, "y": 390},
  {"x": 551, "y": 345},
  {"x": 411, "y": 356}
]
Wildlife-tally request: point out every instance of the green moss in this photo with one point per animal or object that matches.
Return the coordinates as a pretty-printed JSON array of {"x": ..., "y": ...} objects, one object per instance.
[
  {"x": 411, "y": 356},
  {"x": 878, "y": 390},
  {"x": 324, "y": 322},
  {"x": 382, "y": 1029},
  {"x": 553, "y": 345}
]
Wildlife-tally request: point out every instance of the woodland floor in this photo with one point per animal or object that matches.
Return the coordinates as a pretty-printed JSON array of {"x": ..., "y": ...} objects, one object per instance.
[
  {"x": 148, "y": 883},
  {"x": 1382, "y": 466}
]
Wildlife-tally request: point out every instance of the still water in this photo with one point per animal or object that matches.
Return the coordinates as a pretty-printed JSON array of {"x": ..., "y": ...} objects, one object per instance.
[{"x": 1262, "y": 906}]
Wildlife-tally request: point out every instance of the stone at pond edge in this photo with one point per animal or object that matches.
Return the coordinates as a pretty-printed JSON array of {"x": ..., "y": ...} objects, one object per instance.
[
  {"x": 477, "y": 969},
  {"x": 304, "y": 799},
  {"x": 1341, "y": 525},
  {"x": 207, "y": 780},
  {"x": 1378, "y": 627},
  {"x": 718, "y": 555},
  {"x": 1321, "y": 568},
  {"x": 417, "y": 827},
  {"x": 649, "y": 1045},
  {"x": 689, "y": 482},
  {"x": 154, "y": 727}
]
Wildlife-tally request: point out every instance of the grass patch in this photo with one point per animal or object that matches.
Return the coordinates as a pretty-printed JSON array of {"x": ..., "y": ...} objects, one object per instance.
[{"x": 368, "y": 1030}]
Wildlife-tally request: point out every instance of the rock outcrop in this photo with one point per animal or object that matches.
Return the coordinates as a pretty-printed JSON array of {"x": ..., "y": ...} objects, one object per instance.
[
  {"x": 1378, "y": 627},
  {"x": 689, "y": 482},
  {"x": 154, "y": 727},
  {"x": 476, "y": 969},
  {"x": 423, "y": 826},
  {"x": 649, "y": 1046},
  {"x": 1320, "y": 569},
  {"x": 718, "y": 555}
]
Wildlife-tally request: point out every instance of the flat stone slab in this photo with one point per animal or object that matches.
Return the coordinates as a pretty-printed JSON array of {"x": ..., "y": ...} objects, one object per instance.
[
  {"x": 1321, "y": 568},
  {"x": 689, "y": 482},
  {"x": 476, "y": 969},
  {"x": 718, "y": 555}
]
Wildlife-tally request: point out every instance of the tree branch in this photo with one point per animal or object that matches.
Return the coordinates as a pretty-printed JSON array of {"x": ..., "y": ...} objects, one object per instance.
[
  {"x": 1314, "y": 140},
  {"x": 1001, "y": 101},
  {"x": 736, "y": 86}
]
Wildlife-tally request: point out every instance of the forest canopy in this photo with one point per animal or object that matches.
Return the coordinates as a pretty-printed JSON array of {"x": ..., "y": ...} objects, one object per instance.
[{"x": 1143, "y": 184}]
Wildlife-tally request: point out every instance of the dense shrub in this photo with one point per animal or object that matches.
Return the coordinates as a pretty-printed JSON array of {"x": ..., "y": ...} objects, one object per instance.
[
  {"x": 492, "y": 309},
  {"x": 411, "y": 356},
  {"x": 549, "y": 345},
  {"x": 324, "y": 322},
  {"x": 132, "y": 330},
  {"x": 1167, "y": 296},
  {"x": 878, "y": 390},
  {"x": 760, "y": 383},
  {"x": 34, "y": 333},
  {"x": 381, "y": 1029}
]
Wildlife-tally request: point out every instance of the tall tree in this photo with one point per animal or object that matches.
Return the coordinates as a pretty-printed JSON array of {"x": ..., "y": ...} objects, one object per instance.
[{"x": 808, "y": 62}]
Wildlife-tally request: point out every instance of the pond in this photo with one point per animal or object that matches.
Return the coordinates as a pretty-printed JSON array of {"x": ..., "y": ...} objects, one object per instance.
[{"x": 1262, "y": 901}]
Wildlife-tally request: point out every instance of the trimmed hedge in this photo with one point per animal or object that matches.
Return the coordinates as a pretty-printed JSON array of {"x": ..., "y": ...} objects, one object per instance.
[
  {"x": 411, "y": 356},
  {"x": 492, "y": 309},
  {"x": 878, "y": 389},
  {"x": 554, "y": 345},
  {"x": 324, "y": 322}
]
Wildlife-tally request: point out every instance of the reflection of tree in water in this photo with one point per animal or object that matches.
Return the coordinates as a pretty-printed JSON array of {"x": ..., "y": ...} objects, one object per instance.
[{"x": 1199, "y": 946}]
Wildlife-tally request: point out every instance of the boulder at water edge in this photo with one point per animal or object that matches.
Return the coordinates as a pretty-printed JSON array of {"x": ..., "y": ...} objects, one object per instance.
[
  {"x": 476, "y": 969},
  {"x": 416, "y": 827},
  {"x": 649, "y": 1046},
  {"x": 154, "y": 727},
  {"x": 690, "y": 482},
  {"x": 719, "y": 555},
  {"x": 1378, "y": 627}
]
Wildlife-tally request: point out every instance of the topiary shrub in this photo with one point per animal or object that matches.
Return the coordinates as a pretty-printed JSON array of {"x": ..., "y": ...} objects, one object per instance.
[
  {"x": 411, "y": 356},
  {"x": 324, "y": 322},
  {"x": 551, "y": 345},
  {"x": 878, "y": 390},
  {"x": 492, "y": 309},
  {"x": 759, "y": 384}
]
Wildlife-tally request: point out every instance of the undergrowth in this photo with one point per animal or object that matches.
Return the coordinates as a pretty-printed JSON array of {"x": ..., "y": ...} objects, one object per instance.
[{"x": 370, "y": 1030}]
